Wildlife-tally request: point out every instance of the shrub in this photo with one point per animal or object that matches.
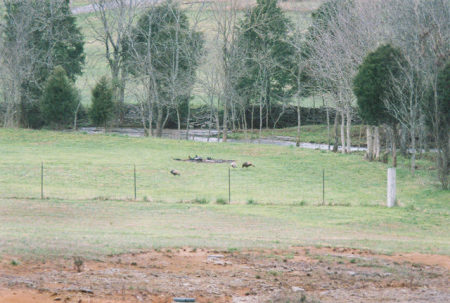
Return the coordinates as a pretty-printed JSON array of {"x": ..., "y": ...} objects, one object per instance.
[
  {"x": 251, "y": 202},
  {"x": 200, "y": 201},
  {"x": 102, "y": 108},
  {"x": 59, "y": 100},
  {"x": 221, "y": 201}
]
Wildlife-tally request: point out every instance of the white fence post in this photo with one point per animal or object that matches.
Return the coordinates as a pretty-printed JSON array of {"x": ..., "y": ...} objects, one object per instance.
[{"x": 391, "y": 187}]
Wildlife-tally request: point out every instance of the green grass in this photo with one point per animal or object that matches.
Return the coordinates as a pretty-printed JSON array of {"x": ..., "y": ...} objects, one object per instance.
[
  {"x": 308, "y": 133},
  {"x": 53, "y": 228},
  {"x": 89, "y": 172},
  {"x": 81, "y": 166}
]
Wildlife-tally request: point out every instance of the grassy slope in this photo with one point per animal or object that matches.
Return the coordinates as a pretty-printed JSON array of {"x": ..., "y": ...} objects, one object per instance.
[{"x": 84, "y": 166}]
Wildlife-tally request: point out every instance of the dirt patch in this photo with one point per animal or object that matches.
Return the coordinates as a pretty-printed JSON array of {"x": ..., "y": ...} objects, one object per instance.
[
  {"x": 433, "y": 260},
  {"x": 320, "y": 274}
]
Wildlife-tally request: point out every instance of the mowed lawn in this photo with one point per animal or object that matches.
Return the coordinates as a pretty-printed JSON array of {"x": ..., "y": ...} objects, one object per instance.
[{"x": 86, "y": 175}]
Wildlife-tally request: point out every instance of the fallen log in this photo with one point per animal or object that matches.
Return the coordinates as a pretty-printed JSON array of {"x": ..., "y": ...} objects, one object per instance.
[{"x": 203, "y": 160}]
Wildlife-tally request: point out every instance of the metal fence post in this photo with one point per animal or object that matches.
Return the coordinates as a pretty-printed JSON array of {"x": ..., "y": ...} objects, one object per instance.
[
  {"x": 42, "y": 180},
  {"x": 134, "y": 181},
  {"x": 323, "y": 186},
  {"x": 229, "y": 185}
]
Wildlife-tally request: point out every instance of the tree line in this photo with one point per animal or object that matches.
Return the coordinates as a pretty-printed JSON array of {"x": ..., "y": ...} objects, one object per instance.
[{"x": 385, "y": 61}]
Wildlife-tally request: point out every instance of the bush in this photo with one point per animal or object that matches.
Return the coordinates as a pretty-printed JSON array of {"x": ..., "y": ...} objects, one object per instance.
[
  {"x": 251, "y": 202},
  {"x": 200, "y": 201},
  {"x": 221, "y": 201},
  {"x": 102, "y": 108},
  {"x": 59, "y": 100}
]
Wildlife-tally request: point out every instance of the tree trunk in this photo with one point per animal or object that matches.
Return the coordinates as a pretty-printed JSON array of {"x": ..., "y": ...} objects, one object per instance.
[
  {"x": 328, "y": 126},
  {"x": 369, "y": 140},
  {"x": 343, "y": 146},
  {"x": 376, "y": 143},
  {"x": 360, "y": 135},
  {"x": 403, "y": 140},
  {"x": 394, "y": 145},
  {"x": 178, "y": 122},
  {"x": 252, "y": 117},
  {"x": 150, "y": 119},
  {"x": 244, "y": 122},
  {"x": 218, "y": 119},
  {"x": 260, "y": 119},
  {"x": 188, "y": 118},
  {"x": 75, "y": 126},
  {"x": 159, "y": 121},
  {"x": 413, "y": 150},
  {"x": 225, "y": 120},
  {"x": 349, "y": 130},
  {"x": 336, "y": 132},
  {"x": 297, "y": 143}
]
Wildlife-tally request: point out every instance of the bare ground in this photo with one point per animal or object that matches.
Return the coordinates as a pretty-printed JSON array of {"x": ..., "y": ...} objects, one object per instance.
[{"x": 292, "y": 275}]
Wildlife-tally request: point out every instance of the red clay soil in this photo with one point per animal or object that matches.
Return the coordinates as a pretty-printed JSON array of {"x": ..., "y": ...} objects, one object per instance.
[{"x": 308, "y": 274}]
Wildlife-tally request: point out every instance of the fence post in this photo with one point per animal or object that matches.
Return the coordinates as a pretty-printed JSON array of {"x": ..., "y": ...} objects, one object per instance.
[
  {"x": 42, "y": 180},
  {"x": 323, "y": 187},
  {"x": 134, "y": 182},
  {"x": 229, "y": 185},
  {"x": 391, "y": 187}
]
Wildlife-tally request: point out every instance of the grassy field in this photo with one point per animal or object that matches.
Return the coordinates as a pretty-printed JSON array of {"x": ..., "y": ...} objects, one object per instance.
[
  {"x": 54, "y": 228},
  {"x": 308, "y": 133},
  {"x": 81, "y": 166},
  {"x": 285, "y": 188}
]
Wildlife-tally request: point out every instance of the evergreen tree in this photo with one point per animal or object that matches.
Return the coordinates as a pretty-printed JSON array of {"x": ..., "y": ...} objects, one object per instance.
[
  {"x": 53, "y": 39},
  {"x": 372, "y": 84},
  {"x": 102, "y": 108},
  {"x": 267, "y": 58},
  {"x": 59, "y": 99}
]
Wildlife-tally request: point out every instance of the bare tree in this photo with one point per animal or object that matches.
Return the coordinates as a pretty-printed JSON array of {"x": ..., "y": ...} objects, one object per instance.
[
  {"x": 15, "y": 69},
  {"x": 163, "y": 53},
  {"x": 225, "y": 17},
  {"x": 421, "y": 29},
  {"x": 117, "y": 18},
  {"x": 338, "y": 49}
]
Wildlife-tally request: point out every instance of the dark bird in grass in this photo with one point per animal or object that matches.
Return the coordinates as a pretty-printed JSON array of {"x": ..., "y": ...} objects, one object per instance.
[
  {"x": 247, "y": 164},
  {"x": 175, "y": 172}
]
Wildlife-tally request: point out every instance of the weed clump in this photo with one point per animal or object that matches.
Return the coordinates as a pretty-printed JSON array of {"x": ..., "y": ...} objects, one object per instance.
[
  {"x": 200, "y": 201},
  {"x": 78, "y": 264},
  {"x": 251, "y": 202},
  {"x": 221, "y": 201}
]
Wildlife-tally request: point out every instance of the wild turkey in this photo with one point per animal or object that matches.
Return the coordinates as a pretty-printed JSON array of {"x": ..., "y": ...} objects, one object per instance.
[
  {"x": 247, "y": 164},
  {"x": 233, "y": 164},
  {"x": 175, "y": 172}
]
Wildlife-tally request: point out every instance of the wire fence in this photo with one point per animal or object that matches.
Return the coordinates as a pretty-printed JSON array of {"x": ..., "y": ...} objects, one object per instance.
[{"x": 201, "y": 183}]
